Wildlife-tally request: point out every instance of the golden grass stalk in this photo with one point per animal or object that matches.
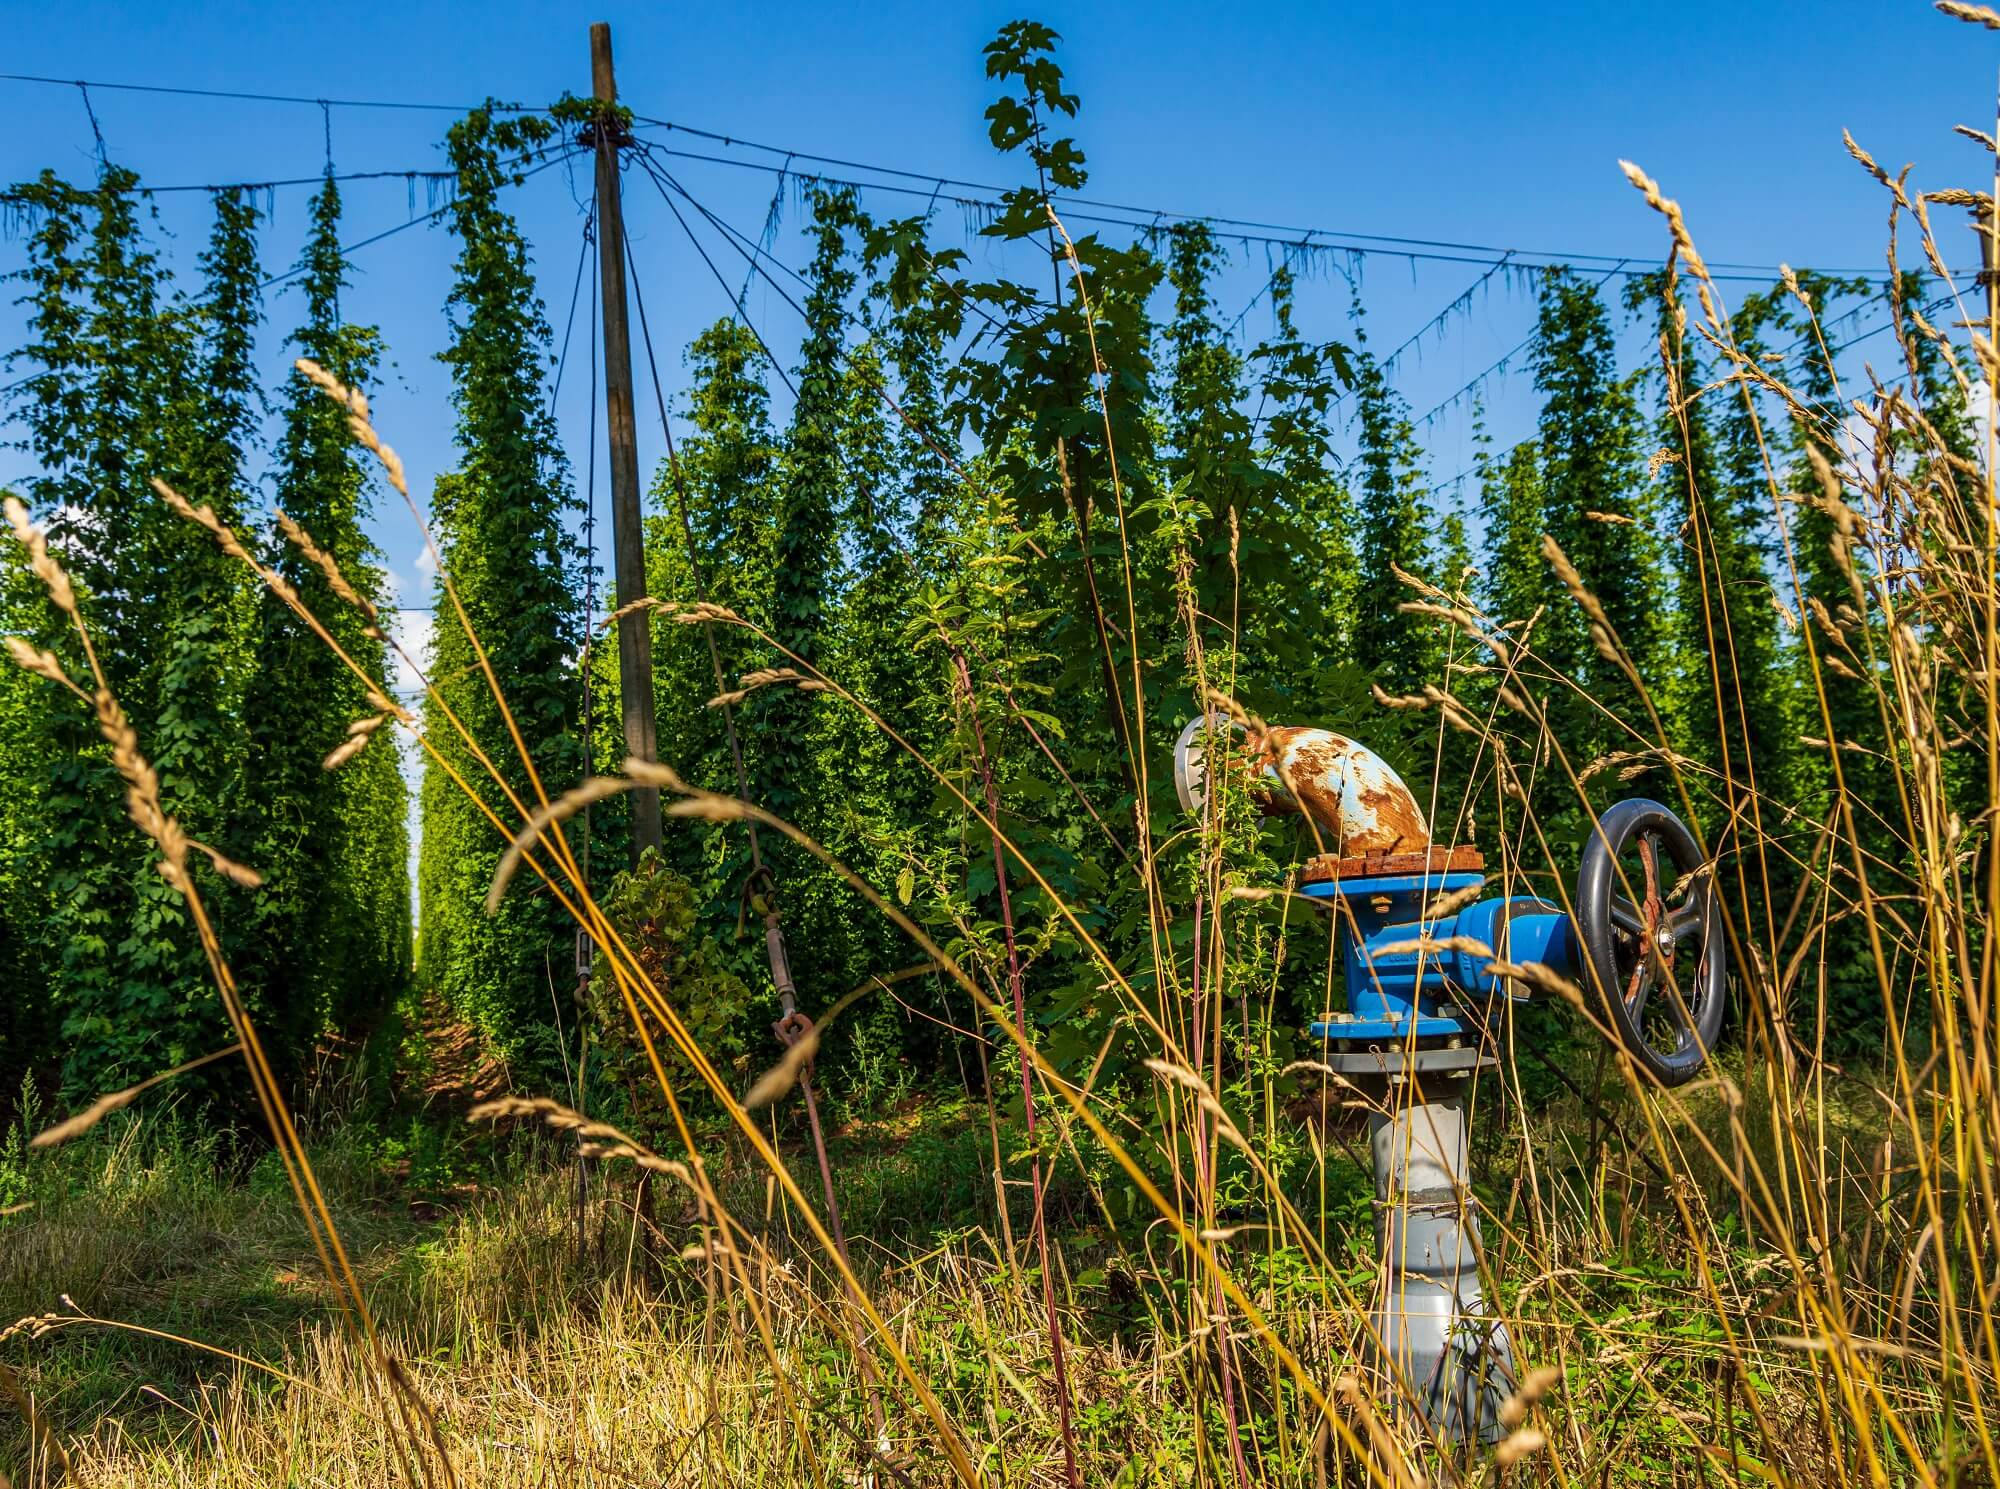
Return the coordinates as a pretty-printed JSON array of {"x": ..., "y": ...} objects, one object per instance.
[
  {"x": 781, "y": 1077},
  {"x": 633, "y": 984},
  {"x": 1854, "y": 1411},
  {"x": 326, "y": 564},
  {"x": 418, "y": 1429},
  {"x": 241, "y": 875},
  {"x": 31, "y": 658},
  {"x": 1978, "y": 15},
  {"x": 104, "y": 1106},
  {"x": 345, "y": 751},
  {"x": 1519, "y": 1445},
  {"x": 1534, "y": 1385},
  {"x": 564, "y": 807},
  {"x": 45, "y": 568}
]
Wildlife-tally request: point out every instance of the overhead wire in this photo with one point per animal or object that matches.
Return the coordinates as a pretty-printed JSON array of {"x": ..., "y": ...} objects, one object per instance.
[
  {"x": 96, "y": 130},
  {"x": 248, "y": 97},
  {"x": 1246, "y": 230},
  {"x": 1142, "y": 219},
  {"x": 770, "y": 353},
  {"x": 1505, "y": 257},
  {"x": 754, "y": 253},
  {"x": 1834, "y": 350},
  {"x": 425, "y": 174},
  {"x": 747, "y": 246},
  {"x": 1402, "y": 246},
  {"x": 1506, "y": 357},
  {"x": 1295, "y": 240},
  {"x": 575, "y": 289},
  {"x": 1371, "y": 245},
  {"x": 347, "y": 248},
  {"x": 1284, "y": 267},
  {"x": 1081, "y": 208},
  {"x": 1438, "y": 321},
  {"x": 661, "y": 181},
  {"x": 695, "y": 566}
]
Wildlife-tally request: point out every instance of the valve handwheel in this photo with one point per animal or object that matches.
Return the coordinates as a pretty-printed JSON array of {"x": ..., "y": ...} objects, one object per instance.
[{"x": 1652, "y": 937}]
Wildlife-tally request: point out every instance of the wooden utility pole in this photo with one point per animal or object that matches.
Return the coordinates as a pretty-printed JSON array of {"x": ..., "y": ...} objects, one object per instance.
[{"x": 628, "y": 544}]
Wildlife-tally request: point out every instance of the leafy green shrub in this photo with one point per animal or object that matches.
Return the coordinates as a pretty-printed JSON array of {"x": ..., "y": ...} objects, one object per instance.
[{"x": 653, "y": 909}]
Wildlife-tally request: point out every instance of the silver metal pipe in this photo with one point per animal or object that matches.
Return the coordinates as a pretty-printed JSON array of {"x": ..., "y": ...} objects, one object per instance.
[{"x": 1453, "y": 1359}]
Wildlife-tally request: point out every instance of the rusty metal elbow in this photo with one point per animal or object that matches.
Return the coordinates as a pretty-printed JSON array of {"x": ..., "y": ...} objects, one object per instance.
[{"x": 1360, "y": 805}]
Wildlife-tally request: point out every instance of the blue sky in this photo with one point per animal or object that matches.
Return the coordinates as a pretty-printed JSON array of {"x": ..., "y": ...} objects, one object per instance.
[{"x": 1484, "y": 125}]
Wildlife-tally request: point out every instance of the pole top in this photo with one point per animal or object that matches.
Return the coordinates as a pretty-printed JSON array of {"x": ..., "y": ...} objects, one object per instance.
[{"x": 603, "y": 83}]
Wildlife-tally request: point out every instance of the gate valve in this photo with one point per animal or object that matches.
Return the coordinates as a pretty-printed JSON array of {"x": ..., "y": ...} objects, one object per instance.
[{"x": 1642, "y": 937}]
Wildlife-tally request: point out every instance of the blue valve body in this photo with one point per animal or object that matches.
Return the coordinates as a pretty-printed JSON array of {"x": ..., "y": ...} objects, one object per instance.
[{"x": 1396, "y": 991}]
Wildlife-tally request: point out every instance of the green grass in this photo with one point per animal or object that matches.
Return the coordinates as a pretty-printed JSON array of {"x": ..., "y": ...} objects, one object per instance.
[{"x": 467, "y": 1244}]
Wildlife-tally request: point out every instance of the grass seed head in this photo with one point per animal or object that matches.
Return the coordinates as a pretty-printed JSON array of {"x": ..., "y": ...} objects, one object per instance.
[
  {"x": 324, "y": 561},
  {"x": 31, "y": 658},
  {"x": 1519, "y": 1445},
  {"x": 45, "y": 568},
  {"x": 1534, "y": 1385},
  {"x": 353, "y": 745},
  {"x": 1978, "y": 15}
]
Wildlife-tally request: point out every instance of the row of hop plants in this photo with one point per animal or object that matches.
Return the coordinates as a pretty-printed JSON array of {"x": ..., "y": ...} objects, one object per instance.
[
  {"x": 132, "y": 379},
  {"x": 868, "y": 540}
]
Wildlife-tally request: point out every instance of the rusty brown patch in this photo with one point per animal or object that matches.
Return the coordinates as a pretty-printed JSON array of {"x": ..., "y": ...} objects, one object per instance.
[
  {"x": 1267, "y": 751},
  {"x": 1399, "y": 822}
]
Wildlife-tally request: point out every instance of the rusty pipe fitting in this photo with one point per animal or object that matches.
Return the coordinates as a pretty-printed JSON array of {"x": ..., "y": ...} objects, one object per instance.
[
  {"x": 1361, "y": 807},
  {"x": 1344, "y": 788}
]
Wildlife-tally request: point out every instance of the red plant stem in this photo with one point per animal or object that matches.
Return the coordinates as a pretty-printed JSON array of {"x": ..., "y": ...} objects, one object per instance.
[
  {"x": 1206, "y": 1180},
  {"x": 1056, "y": 1358}
]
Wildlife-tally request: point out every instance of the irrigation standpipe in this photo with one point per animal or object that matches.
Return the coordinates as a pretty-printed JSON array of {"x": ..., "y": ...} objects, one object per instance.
[{"x": 1427, "y": 977}]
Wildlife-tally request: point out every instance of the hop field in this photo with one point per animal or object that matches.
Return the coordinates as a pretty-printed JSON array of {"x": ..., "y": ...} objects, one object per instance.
[{"x": 840, "y": 1041}]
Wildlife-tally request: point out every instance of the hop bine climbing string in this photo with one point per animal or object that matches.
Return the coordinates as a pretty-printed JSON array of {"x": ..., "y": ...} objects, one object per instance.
[
  {"x": 585, "y": 947},
  {"x": 761, "y": 890},
  {"x": 793, "y": 1027}
]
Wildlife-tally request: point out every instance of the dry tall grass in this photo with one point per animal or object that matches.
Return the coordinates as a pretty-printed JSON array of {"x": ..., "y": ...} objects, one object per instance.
[{"x": 1842, "y": 1330}]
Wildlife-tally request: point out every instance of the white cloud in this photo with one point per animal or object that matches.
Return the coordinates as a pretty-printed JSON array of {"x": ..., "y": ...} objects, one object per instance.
[
  {"x": 412, "y": 629},
  {"x": 426, "y": 561}
]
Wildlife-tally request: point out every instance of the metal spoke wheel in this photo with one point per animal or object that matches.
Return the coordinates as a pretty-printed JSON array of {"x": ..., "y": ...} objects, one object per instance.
[{"x": 1652, "y": 937}]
